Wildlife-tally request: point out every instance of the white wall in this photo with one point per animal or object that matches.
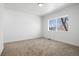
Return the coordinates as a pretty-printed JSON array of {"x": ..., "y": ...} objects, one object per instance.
[
  {"x": 20, "y": 26},
  {"x": 1, "y": 28},
  {"x": 71, "y": 37}
]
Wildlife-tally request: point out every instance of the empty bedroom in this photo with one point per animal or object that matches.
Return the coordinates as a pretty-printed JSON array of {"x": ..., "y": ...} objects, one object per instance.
[{"x": 39, "y": 29}]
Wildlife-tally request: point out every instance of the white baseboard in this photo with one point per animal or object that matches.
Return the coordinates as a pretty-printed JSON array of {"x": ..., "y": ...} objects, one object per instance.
[{"x": 70, "y": 43}]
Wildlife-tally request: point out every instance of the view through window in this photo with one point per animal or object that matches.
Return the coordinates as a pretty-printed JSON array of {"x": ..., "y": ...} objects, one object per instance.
[{"x": 58, "y": 24}]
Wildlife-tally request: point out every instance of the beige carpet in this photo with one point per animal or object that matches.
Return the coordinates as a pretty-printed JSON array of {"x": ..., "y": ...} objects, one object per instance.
[{"x": 39, "y": 47}]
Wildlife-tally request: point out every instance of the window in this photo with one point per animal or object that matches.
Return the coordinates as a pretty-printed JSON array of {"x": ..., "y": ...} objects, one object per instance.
[{"x": 58, "y": 24}]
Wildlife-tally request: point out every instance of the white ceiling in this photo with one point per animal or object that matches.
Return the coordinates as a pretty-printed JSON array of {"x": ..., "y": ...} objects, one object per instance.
[{"x": 32, "y": 8}]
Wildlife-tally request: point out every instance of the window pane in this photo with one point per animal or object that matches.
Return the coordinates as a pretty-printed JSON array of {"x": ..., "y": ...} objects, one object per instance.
[
  {"x": 52, "y": 25},
  {"x": 62, "y": 24}
]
